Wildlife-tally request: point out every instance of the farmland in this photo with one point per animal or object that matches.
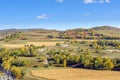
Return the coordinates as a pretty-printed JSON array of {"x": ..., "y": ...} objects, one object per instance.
[{"x": 76, "y": 74}]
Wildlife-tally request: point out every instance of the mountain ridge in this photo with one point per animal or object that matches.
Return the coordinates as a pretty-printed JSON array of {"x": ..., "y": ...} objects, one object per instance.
[{"x": 27, "y": 29}]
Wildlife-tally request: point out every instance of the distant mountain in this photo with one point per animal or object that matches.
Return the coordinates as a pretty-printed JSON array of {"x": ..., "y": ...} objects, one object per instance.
[
  {"x": 8, "y": 30},
  {"x": 19, "y": 30},
  {"x": 32, "y": 29},
  {"x": 106, "y": 28}
]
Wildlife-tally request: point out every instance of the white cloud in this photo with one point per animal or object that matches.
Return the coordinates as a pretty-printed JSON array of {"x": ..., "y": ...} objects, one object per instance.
[
  {"x": 43, "y": 16},
  {"x": 86, "y": 14},
  {"x": 88, "y": 1},
  {"x": 96, "y": 1},
  {"x": 60, "y": 1},
  {"x": 104, "y": 1},
  {"x": 107, "y": 1}
]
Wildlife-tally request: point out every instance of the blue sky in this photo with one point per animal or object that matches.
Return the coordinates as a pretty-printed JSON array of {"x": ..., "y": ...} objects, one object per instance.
[{"x": 59, "y": 14}]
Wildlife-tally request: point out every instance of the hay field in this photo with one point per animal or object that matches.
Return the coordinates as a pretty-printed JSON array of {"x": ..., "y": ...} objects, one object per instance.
[
  {"x": 28, "y": 43},
  {"x": 76, "y": 74}
]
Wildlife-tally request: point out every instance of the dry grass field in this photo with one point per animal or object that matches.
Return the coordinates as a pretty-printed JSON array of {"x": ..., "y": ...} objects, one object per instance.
[
  {"x": 76, "y": 74},
  {"x": 42, "y": 43},
  {"x": 12, "y": 45},
  {"x": 28, "y": 43}
]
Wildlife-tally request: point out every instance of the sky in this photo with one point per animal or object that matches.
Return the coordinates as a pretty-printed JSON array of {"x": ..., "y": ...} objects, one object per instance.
[{"x": 59, "y": 14}]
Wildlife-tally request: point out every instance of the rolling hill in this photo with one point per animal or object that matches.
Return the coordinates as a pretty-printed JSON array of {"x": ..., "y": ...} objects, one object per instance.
[{"x": 100, "y": 32}]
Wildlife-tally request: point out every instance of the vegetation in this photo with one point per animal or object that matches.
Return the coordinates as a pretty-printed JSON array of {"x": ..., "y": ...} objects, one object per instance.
[
  {"x": 13, "y": 36},
  {"x": 102, "y": 53},
  {"x": 102, "y": 32}
]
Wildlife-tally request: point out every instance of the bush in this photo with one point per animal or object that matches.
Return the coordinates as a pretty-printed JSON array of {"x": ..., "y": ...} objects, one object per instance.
[{"x": 16, "y": 72}]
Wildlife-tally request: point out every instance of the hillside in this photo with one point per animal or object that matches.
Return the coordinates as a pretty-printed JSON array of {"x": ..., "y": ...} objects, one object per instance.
[
  {"x": 101, "y": 32},
  {"x": 108, "y": 31}
]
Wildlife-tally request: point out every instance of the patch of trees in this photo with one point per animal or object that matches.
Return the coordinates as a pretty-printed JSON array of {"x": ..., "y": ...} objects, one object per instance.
[
  {"x": 11, "y": 64},
  {"x": 26, "y": 51},
  {"x": 115, "y": 44},
  {"x": 99, "y": 45},
  {"x": 85, "y": 34},
  {"x": 10, "y": 61},
  {"x": 84, "y": 60},
  {"x": 14, "y": 36},
  {"x": 98, "y": 63}
]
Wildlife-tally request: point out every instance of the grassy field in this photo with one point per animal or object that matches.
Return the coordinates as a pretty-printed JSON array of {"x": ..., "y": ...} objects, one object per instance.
[
  {"x": 28, "y": 43},
  {"x": 28, "y": 76},
  {"x": 76, "y": 74},
  {"x": 21, "y": 43}
]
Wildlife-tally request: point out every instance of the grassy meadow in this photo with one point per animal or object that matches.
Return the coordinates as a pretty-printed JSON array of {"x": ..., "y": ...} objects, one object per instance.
[{"x": 76, "y": 74}]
